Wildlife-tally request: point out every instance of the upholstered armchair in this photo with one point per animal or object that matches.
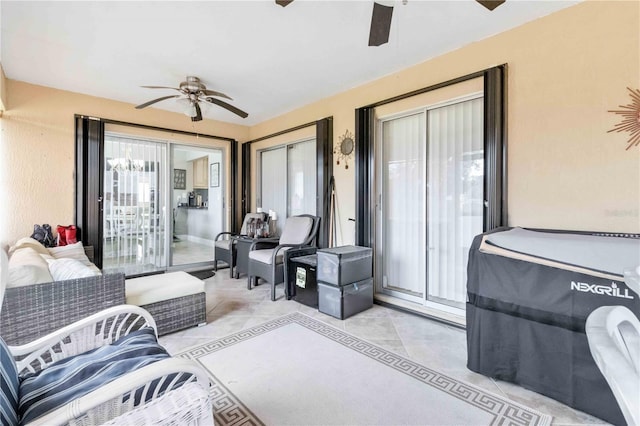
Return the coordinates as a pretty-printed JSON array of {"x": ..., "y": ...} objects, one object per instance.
[
  {"x": 266, "y": 256},
  {"x": 225, "y": 246},
  {"x": 105, "y": 369}
]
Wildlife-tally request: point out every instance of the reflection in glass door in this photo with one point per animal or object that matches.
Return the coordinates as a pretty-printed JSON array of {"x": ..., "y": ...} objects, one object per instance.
[
  {"x": 198, "y": 205},
  {"x": 431, "y": 176},
  {"x": 134, "y": 205}
]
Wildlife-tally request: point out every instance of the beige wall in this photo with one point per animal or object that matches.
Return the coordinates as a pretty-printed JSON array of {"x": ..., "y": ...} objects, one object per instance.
[
  {"x": 565, "y": 71},
  {"x": 37, "y": 151},
  {"x": 564, "y": 170},
  {"x": 3, "y": 90}
]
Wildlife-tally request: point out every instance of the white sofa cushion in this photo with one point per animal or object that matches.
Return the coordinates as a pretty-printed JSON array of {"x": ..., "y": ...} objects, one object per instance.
[
  {"x": 157, "y": 288},
  {"x": 28, "y": 242},
  {"x": 69, "y": 269},
  {"x": 27, "y": 267},
  {"x": 74, "y": 251}
]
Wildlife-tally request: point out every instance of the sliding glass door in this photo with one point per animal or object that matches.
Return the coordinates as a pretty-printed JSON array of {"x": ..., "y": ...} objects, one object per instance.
[
  {"x": 150, "y": 225},
  {"x": 134, "y": 204},
  {"x": 288, "y": 180},
  {"x": 430, "y": 201}
]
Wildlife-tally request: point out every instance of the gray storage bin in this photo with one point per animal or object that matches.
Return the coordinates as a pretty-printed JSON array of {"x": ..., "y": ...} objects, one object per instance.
[
  {"x": 344, "y": 265},
  {"x": 344, "y": 301}
]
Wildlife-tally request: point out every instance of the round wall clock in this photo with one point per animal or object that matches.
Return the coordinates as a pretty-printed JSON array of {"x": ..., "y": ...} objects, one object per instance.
[{"x": 345, "y": 147}]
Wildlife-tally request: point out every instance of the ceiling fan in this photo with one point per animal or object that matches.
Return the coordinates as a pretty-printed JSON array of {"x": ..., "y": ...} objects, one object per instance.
[
  {"x": 381, "y": 18},
  {"x": 192, "y": 92}
]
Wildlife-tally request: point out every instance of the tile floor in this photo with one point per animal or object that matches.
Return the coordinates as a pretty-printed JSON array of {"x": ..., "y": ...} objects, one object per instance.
[{"x": 231, "y": 307}]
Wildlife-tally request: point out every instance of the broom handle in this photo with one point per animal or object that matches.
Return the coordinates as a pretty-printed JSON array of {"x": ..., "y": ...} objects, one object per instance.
[{"x": 331, "y": 214}]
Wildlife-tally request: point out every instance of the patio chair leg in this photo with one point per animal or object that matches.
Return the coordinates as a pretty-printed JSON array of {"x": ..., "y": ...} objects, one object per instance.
[
  {"x": 215, "y": 265},
  {"x": 273, "y": 291},
  {"x": 231, "y": 271},
  {"x": 248, "y": 282}
]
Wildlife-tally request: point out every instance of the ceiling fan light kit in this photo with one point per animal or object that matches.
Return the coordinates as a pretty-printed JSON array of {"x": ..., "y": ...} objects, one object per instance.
[{"x": 193, "y": 91}]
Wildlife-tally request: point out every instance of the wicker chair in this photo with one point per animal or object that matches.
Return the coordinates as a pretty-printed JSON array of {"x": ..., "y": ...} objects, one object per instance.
[
  {"x": 266, "y": 256},
  {"x": 613, "y": 333},
  {"x": 225, "y": 249},
  {"x": 168, "y": 391}
]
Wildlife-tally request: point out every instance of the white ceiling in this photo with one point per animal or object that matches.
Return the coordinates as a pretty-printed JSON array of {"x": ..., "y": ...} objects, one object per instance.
[{"x": 269, "y": 59}]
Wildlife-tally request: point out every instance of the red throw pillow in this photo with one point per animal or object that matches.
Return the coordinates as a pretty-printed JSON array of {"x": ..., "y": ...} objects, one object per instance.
[{"x": 67, "y": 235}]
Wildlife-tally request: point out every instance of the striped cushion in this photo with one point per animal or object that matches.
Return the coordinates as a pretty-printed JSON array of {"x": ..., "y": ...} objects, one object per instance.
[
  {"x": 8, "y": 387},
  {"x": 74, "y": 377}
]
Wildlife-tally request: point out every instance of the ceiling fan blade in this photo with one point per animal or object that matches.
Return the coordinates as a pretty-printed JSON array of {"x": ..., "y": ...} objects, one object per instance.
[
  {"x": 214, "y": 93},
  {"x": 198, "y": 116},
  {"x": 283, "y": 3},
  {"x": 380, "y": 24},
  {"x": 491, "y": 4},
  {"x": 161, "y": 87},
  {"x": 227, "y": 106},
  {"x": 146, "y": 104}
]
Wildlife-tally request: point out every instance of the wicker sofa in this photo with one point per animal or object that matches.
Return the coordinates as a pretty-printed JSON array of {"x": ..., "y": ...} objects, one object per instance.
[{"x": 31, "y": 311}]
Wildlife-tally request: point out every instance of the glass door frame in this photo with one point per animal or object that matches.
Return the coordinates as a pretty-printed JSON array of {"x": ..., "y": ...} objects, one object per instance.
[
  {"x": 378, "y": 220},
  {"x": 89, "y": 162},
  {"x": 495, "y": 165}
]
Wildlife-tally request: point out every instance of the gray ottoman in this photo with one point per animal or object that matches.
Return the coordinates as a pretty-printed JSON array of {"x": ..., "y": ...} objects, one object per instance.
[{"x": 176, "y": 300}]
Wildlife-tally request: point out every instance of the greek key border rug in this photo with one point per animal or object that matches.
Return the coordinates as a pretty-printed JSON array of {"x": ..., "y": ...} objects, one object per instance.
[{"x": 230, "y": 410}]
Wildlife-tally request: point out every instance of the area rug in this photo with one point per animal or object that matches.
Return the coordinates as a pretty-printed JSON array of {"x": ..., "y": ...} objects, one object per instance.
[
  {"x": 296, "y": 370},
  {"x": 203, "y": 275}
]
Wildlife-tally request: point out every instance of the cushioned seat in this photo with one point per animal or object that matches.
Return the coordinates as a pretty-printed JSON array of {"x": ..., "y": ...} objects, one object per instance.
[
  {"x": 157, "y": 288},
  {"x": 266, "y": 255},
  {"x": 176, "y": 300},
  {"x": 73, "y": 377}
]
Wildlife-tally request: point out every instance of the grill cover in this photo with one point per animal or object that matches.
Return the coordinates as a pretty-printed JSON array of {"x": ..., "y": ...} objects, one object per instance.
[{"x": 529, "y": 295}]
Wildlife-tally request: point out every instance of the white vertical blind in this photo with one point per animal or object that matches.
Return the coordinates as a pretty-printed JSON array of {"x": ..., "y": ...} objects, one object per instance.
[
  {"x": 404, "y": 216},
  {"x": 273, "y": 183},
  {"x": 455, "y": 196},
  {"x": 288, "y": 180},
  {"x": 134, "y": 182},
  {"x": 301, "y": 178}
]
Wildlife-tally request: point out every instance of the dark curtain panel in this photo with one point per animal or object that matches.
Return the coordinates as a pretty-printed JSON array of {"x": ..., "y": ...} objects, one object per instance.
[
  {"x": 324, "y": 167},
  {"x": 234, "y": 186},
  {"x": 88, "y": 177},
  {"x": 246, "y": 181},
  {"x": 495, "y": 147},
  {"x": 364, "y": 176}
]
